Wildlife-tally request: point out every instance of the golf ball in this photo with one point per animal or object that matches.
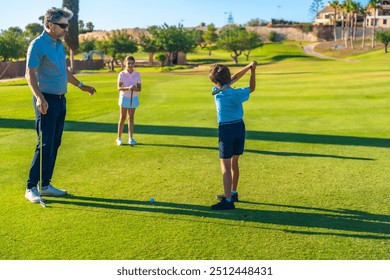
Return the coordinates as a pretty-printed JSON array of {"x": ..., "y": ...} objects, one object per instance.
[{"x": 151, "y": 200}]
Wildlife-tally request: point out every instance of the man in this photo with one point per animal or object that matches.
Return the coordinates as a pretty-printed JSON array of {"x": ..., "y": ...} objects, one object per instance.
[{"x": 47, "y": 75}]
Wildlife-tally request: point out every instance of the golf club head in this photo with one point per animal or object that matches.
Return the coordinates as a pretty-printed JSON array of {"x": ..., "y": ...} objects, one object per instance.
[{"x": 43, "y": 204}]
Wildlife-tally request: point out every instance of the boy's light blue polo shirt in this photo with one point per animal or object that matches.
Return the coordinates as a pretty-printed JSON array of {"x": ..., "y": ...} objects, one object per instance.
[
  {"x": 229, "y": 104},
  {"x": 49, "y": 57}
]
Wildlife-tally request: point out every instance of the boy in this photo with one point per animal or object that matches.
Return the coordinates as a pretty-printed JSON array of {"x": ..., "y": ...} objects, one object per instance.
[{"x": 231, "y": 127}]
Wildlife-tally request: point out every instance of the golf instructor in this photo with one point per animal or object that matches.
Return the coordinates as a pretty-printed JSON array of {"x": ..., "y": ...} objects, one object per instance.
[{"x": 47, "y": 75}]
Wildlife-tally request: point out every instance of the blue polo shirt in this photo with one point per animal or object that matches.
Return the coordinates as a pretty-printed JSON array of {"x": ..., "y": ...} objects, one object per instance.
[
  {"x": 49, "y": 57},
  {"x": 229, "y": 104}
]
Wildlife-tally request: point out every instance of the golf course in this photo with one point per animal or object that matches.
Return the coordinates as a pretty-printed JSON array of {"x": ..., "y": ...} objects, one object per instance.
[{"x": 314, "y": 177}]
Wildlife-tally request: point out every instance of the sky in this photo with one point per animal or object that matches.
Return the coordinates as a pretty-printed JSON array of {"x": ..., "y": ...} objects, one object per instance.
[{"x": 118, "y": 14}]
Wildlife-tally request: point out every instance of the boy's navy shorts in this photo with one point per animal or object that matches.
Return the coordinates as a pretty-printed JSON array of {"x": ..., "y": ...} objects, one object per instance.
[{"x": 231, "y": 139}]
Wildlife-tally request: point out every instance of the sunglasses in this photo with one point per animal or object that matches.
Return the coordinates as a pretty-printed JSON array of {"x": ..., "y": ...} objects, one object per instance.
[{"x": 62, "y": 25}]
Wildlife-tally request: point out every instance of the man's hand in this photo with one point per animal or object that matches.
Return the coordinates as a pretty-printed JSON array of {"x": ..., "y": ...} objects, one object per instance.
[
  {"x": 89, "y": 89},
  {"x": 42, "y": 105}
]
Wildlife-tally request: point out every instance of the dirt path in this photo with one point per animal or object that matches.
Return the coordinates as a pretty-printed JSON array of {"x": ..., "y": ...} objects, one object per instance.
[{"x": 309, "y": 49}]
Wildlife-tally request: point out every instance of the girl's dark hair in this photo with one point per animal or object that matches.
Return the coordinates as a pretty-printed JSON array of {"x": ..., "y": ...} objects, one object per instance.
[
  {"x": 129, "y": 57},
  {"x": 220, "y": 74}
]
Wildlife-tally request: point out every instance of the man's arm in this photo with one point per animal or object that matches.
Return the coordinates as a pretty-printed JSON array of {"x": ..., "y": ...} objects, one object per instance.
[
  {"x": 32, "y": 81},
  {"x": 74, "y": 81}
]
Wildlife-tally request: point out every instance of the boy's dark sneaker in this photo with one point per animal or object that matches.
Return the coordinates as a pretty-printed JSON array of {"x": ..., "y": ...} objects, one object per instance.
[
  {"x": 234, "y": 197},
  {"x": 223, "y": 205}
]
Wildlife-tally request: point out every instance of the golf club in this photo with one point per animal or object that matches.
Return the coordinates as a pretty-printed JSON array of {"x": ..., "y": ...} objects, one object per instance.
[
  {"x": 131, "y": 106},
  {"x": 131, "y": 98},
  {"x": 214, "y": 92},
  {"x": 41, "y": 202}
]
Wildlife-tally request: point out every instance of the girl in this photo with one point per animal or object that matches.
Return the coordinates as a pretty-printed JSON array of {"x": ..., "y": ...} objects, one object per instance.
[{"x": 129, "y": 86}]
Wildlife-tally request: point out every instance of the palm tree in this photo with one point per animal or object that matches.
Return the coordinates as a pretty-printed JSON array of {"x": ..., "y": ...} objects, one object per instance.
[
  {"x": 355, "y": 11},
  {"x": 364, "y": 11},
  {"x": 374, "y": 4},
  {"x": 358, "y": 11},
  {"x": 343, "y": 19},
  {"x": 348, "y": 7},
  {"x": 335, "y": 5}
]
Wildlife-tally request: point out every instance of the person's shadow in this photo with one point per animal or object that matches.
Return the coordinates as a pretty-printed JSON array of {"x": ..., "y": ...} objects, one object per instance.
[{"x": 337, "y": 222}]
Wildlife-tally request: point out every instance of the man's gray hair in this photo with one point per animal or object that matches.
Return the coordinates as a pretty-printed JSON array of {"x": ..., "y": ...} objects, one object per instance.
[{"x": 55, "y": 14}]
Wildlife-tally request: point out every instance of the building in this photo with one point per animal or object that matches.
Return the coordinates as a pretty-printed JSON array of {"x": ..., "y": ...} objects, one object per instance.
[
  {"x": 379, "y": 17},
  {"x": 326, "y": 16}
]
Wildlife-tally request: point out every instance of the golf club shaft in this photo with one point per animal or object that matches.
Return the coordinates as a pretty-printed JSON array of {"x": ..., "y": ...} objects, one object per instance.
[
  {"x": 40, "y": 153},
  {"x": 214, "y": 92}
]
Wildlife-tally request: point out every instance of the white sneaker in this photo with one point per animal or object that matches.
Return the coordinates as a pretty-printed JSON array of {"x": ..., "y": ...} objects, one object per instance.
[
  {"x": 132, "y": 141},
  {"x": 52, "y": 191},
  {"x": 119, "y": 141},
  {"x": 33, "y": 195}
]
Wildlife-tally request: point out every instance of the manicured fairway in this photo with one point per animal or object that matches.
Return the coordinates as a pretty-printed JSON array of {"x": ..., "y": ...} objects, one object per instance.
[{"x": 314, "y": 178}]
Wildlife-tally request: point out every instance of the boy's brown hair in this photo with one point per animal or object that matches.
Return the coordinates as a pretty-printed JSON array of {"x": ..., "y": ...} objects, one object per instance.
[{"x": 220, "y": 74}]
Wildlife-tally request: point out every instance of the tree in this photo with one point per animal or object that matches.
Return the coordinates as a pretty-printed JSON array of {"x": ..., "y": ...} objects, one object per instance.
[
  {"x": 173, "y": 39},
  {"x": 89, "y": 26},
  {"x": 335, "y": 5},
  {"x": 161, "y": 58},
  {"x": 72, "y": 36},
  {"x": 198, "y": 37},
  {"x": 13, "y": 44},
  {"x": 117, "y": 44},
  {"x": 88, "y": 45},
  {"x": 210, "y": 36},
  {"x": 349, "y": 8},
  {"x": 272, "y": 36},
  {"x": 84, "y": 28},
  {"x": 383, "y": 37},
  {"x": 81, "y": 25},
  {"x": 32, "y": 30},
  {"x": 374, "y": 4},
  {"x": 256, "y": 22},
  {"x": 232, "y": 39},
  {"x": 365, "y": 11},
  {"x": 315, "y": 7},
  {"x": 252, "y": 41},
  {"x": 149, "y": 44}
]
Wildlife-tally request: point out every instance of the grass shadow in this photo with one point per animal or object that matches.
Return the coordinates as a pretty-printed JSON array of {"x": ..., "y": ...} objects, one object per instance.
[
  {"x": 210, "y": 132},
  {"x": 261, "y": 152},
  {"x": 335, "y": 222},
  {"x": 208, "y": 60}
]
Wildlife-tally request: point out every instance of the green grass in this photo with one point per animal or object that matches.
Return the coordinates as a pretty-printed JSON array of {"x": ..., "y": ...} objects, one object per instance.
[{"x": 314, "y": 178}]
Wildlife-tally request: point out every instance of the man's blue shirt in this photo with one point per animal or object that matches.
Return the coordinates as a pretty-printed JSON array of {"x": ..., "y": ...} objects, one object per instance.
[
  {"x": 49, "y": 57},
  {"x": 229, "y": 104}
]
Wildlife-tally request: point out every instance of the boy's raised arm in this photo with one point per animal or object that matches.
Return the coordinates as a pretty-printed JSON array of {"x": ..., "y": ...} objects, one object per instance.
[{"x": 242, "y": 72}]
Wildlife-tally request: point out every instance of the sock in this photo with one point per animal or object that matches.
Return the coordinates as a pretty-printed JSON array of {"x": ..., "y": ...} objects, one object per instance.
[
  {"x": 228, "y": 200},
  {"x": 233, "y": 192}
]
